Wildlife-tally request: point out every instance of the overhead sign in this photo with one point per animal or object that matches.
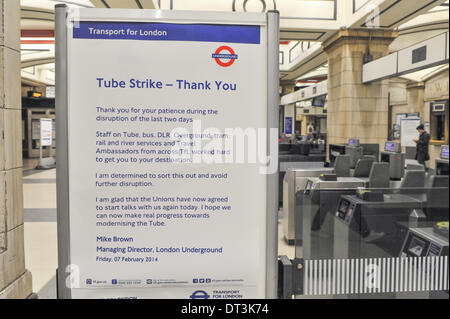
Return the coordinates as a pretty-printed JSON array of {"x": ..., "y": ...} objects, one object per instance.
[
  {"x": 46, "y": 132},
  {"x": 149, "y": 208},
  {"x": 288, "y": 125},
  {"x": 420, "y": 56}
]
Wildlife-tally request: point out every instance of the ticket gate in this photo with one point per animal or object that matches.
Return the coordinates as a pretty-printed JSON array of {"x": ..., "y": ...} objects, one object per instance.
[
  {"x": 393, "y": 155},
  {"x": 301, "y": 148},
  {"x": 442, "y": 162},
  {"x": 319, "y": 198},
  {"x": 334, "y": 151},
  {"x": 362, "y": 217},
  {"x": 290, "y": 157},
  {"x": 428, "y": 241},
  {"x": 363, "y": 167},
  {"x": 296, "y": 163},
  {"x": 365, "y": 224},
  {"x": 294, "y": 181},
  {"x": 354, "y": 150}
]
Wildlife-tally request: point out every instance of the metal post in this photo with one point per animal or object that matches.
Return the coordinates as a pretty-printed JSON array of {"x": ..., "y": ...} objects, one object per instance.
[
  {"x": 273, "y": 40},
  {"x": 62, "y": 169}
]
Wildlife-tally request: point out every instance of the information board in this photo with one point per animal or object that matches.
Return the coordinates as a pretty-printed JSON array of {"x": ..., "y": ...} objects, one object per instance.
[
  {"x": 155, "y": 202},
  {"x": 46, "y": 132},
  {"x": 288, "y": 125},
  {"x": 408, "y": 131}
]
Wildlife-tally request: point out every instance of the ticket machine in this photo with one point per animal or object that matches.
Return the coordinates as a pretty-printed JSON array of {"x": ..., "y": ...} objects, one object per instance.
[
  {"x": 442, "y": 162},
  {"x": 354, "y": 150},
  {"x": 393, "y": 155}
]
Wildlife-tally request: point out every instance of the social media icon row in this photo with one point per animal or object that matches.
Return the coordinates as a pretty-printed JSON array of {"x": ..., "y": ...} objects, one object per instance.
[{"x": 201, "y": 280}]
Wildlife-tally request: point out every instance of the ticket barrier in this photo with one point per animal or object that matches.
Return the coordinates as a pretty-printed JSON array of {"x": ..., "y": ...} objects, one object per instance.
[
  {"x": 418, "y": 270},
  {"x": 335, "y": 150},
  {"x": 363, "y": 167},
  {"x": 368, "y": 225},
  {"x": 386, "y": 214},
  {"x": 436, "y": 206},
  {"x": 296, "y": 164},
  {"x": 429, "y": 240},
  {"x": 320, "y": 196},
  {"x": 392, "y": 154},
  {"x": 426, "y": 241},
  {"x": 354, "y": 150},
  {"x": 289, "y": 158},
  {"x": 442, "y": 162},
  {"x": 313, "y": 206},
  {"x": 365, "y": 223},
  {"x": 294, "y": 181}
]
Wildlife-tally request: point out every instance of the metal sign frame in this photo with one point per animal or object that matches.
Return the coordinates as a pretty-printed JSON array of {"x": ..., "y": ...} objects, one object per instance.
[{"x": 65, "y": 271}]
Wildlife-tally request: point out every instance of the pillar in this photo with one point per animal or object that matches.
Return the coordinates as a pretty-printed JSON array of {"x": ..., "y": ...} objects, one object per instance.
[
  {"x": 15, "y": 280},
  {"x": 356, "y": 109},
  {"x": 287, "y": 87},
  {"x": 415, "y": 96}
]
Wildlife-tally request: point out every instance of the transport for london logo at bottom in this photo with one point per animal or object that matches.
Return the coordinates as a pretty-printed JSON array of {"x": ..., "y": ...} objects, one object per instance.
[
  {"x": 199, "y": 294},
  {"x": 225, "y": 59}
]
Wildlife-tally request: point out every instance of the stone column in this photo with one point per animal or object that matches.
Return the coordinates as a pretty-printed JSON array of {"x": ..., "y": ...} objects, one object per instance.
[
  {"x": 356, "y": 109},
  {"x": 286, "y": 87},
  {"x": 15, "y": 280},
  {"x": 415, "y": 97}
]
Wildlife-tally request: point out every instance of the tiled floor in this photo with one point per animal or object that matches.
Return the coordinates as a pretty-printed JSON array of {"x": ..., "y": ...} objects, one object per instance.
[
  {"x": 41, "y": 257},
  {"x": 30, "y": 163},
  {"x": 283, "y": 247}
]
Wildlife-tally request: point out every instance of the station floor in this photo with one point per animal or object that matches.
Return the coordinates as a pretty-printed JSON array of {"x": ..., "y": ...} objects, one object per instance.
[{"x": 41, "y": 254}]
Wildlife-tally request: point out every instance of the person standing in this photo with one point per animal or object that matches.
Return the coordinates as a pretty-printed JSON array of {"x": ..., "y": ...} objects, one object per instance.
[
  {"x": 422, "y": 146},
  {"x": 310, "y": 128}
]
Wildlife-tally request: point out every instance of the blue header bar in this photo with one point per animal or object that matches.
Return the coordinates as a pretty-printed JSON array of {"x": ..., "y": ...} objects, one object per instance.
[{"x": 168, "y": 32}]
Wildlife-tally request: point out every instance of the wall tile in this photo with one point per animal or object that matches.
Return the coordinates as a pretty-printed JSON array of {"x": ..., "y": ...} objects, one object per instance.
[
  {"x": 14, "y": 198},
  {"x": 12, "y": 261},
  {"x": 19, "y": 289},
  {"x": 13, "y": 138},
  {"x": 2, "y": 140},
  {"x": 12, "y": 80},
  {"x": 11, "y": 24},
  {"x": 2, "y": 203},
  {"x": 2, "y": 84}
]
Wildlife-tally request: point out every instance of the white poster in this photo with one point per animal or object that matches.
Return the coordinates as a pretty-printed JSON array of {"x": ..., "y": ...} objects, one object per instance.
[
  {"x": 50, "y": 92},
  {"x": 150, "y": 106},
  {"x": 46, "y": 132},
  {"x": 409, "y": 131}
]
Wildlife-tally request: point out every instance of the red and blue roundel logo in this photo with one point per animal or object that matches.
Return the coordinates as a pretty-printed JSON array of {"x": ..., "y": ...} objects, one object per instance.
[{"x": 225, "y": 56}]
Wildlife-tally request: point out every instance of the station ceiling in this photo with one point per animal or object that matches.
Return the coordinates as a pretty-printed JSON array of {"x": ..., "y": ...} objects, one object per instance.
[{"x": 304, "y": 24}]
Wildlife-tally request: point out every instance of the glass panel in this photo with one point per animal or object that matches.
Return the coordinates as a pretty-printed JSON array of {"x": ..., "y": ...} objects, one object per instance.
[{"x": 356, "y": 242}]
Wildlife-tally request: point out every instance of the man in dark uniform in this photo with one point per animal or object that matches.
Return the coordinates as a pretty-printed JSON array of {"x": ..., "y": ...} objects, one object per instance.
[{"x": 423, "y": 143}]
